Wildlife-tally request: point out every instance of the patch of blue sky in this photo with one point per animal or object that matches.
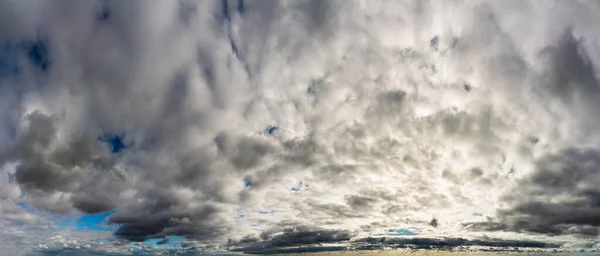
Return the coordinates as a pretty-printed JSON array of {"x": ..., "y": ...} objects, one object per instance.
[
  {"x": 104, "y": 14},
  {"x": 98, "y": 222},
  {"x": 91, "y": 222},
  {"x": 247, "y": 183},
  {"x": 36, "y": 51},
  {"x": 55, "y": 218},
  {"x": 115, "y": 142},
  {"x": 25, "y": 206},
  {"x": 95, "y": 222},
  {"x": 405, "y": 232},
  {"x": 271, "y": 129},
  {"x": 172, "y": 242},
  {"x": 299, "y": 187},
  {"x": 271, "y": 212},
  {"x": 401, "y": 232}
]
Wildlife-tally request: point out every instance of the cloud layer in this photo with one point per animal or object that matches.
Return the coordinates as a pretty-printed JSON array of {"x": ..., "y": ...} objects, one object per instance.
[{"x": 283, "y": 123}]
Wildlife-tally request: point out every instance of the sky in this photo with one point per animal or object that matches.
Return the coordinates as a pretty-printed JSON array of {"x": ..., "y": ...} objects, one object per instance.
[{"x": 263, "y": 126}]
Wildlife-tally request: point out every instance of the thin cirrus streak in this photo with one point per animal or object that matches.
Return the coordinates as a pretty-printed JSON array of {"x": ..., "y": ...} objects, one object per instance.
[{"x": 298, "y": 126}]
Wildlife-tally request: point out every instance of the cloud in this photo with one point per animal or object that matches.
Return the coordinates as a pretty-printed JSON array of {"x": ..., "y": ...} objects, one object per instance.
[
  {"x": 299, "y": 239},
  {"x": 294, "y": 238},
  {"x": 434, "y": 223},
  {"x": 559, "y": 198},
  {"x": 344, "y": 119},
  {"x": 200, "y": 223},
  {"x": 429, "y": 243}
]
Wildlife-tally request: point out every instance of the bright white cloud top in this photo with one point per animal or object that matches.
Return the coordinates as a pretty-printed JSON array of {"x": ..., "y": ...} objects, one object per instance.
[{"x": 260, "y": 125}]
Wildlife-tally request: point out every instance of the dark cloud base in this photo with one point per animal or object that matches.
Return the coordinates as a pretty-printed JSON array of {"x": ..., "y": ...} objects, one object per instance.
[
  {"x": 562, "y": 174},
  {"x": 302, "y": 239}
]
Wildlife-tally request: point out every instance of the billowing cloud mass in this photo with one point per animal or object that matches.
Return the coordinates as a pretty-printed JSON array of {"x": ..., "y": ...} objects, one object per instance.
[{"x": 263, "y": 125}]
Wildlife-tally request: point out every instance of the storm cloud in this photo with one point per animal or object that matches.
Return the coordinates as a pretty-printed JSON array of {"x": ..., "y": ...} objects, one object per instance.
[
  {"x": 300, "y": 125},
  {"x": 559, "y": 198}
]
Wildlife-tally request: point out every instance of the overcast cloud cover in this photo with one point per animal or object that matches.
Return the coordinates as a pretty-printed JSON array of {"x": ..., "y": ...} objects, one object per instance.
[{"x": 261, "y": 125}]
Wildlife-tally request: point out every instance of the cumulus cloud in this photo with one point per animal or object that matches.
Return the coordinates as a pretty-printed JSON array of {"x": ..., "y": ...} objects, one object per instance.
[{"x": 309, "y": 122}]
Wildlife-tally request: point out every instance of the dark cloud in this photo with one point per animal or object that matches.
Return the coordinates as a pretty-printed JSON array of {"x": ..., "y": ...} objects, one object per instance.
[
  {"x": 434, "y": 223},
  {"x": 571, "y": 74},
  {"x": 166, "y": 215},
  {"x": 450, "y": 242},
  {"x": 301, "y": 238},
  {"x": 77, "y": 166},
  {"x": 571, "y": 77},
  {"x": 92, "y": 203},
  {"x": 559, "y": 198},
  {"x": 163, "y": 241},
  {"x": 301, "y": 249},
  {"x": 80, "y": 164},
  {"x": 308, "y": 243}
]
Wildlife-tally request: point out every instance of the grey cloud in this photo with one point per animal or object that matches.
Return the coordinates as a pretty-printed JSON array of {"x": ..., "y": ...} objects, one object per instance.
[
  {"x": 250, "y": 246},
  {"x": 12, "y": 213},
  {"x": 571, "y": 73},
  {"x": 244, "y": 152},
  {"x": 452, "y": 242},
  {"x": 141, "y": 224},
  {"x": 92, "y": 203},
  {"x": 434, "y": 223},
  {"x": 391, "y": 111},
  {"x": 360, "y": 202},
  {"x": 44, "y": 167},
  {"x": 163, "y": 241},
  {"x": 334, "y": 210},
  {"x": 276, "y": 241},
  {"x": 571, "y": 78},
  {"x": 115, "y": 99},
  {"x": 570, "y": 175},
  {"x": 301, "y": 249}
]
